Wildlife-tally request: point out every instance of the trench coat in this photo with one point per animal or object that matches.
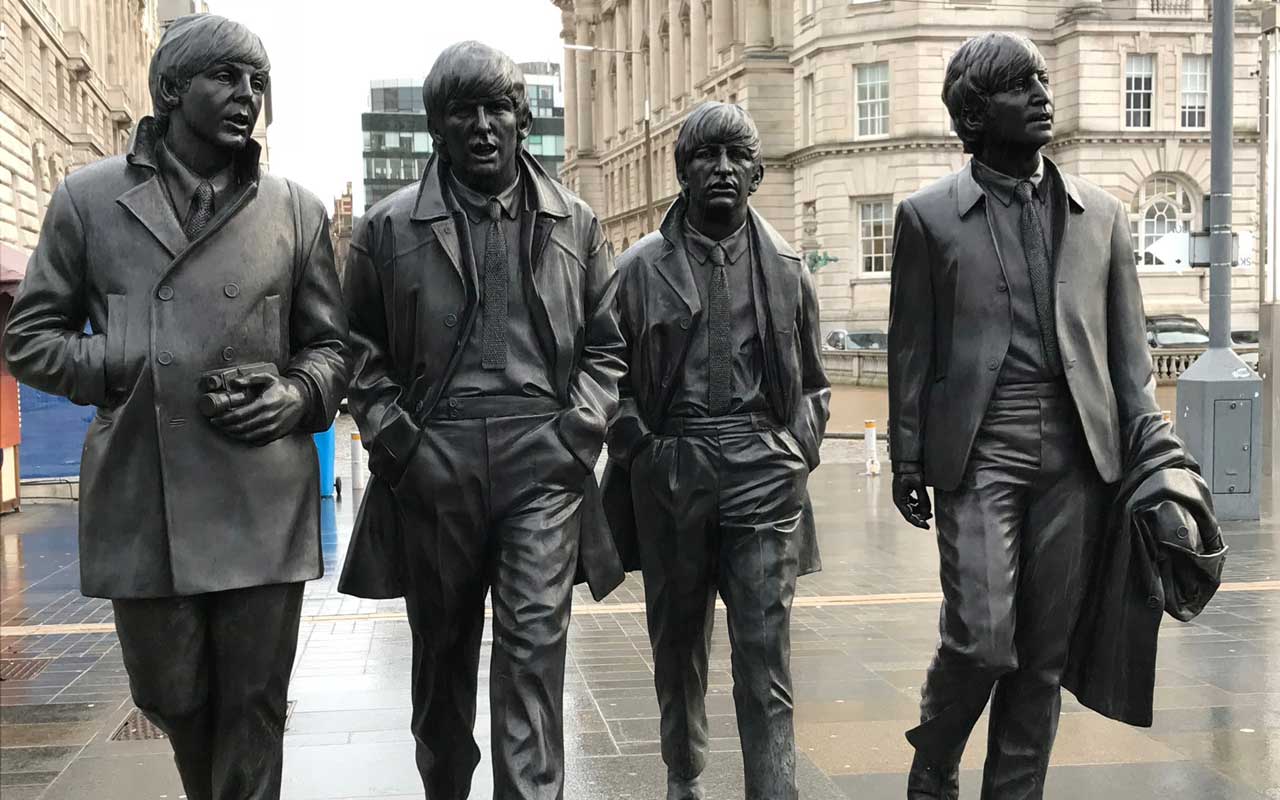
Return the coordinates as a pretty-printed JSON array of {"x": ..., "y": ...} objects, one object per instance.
[
  {"x": 169, "y": 505},
  {"x": 1162, "y": 552},
  {"x": 659, "y": 309},
  {"x": 413, "y": 300},
  {"x": 950, "y": 323}
]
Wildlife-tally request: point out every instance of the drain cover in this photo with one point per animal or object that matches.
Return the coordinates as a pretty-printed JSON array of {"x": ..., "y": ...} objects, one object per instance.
[
  {"x": 137, "y": 728},
  {"x": 22, "y": 669}
]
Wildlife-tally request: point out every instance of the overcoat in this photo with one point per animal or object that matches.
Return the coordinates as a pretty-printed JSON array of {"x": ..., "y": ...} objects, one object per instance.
[
  {"x": 169, "y": 505},
  {"x": 413, "y": 300},
  {"x": 659, "y": 309},
  {"x": 951, "y": 322}
]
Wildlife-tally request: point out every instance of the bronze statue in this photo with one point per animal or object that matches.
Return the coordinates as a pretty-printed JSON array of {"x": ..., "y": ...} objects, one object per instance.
[
  {"x": 1021, "y": 389},
  {"x": 723, "y": 410},
  {"x": 487, "y": 359},
  {"x": 201, "y": 527}
]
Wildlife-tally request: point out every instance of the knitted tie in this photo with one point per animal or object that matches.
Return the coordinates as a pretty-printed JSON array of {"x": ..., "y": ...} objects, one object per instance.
[
  {"x": 1037, "y": 254},
  {"x": 720, "y": 368},
  {"x": 495, "y": 292},
  {"x": 201, "y": 210}
]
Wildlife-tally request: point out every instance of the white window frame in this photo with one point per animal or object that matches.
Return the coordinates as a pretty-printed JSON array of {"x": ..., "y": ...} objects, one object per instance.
[
  {"x": 1132, "y": 113},
  {"x": 867, "y": 109},
  {"x": 1199, "y": 91},
  {"x": 866, "y": 237}
]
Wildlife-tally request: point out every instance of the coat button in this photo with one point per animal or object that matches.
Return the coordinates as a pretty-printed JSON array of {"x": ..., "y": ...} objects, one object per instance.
[
  {"x": 231, "y": 290},
  {"x": 992, "y": 364},
  {"x": 451, "y": 320},
  {"x": 1002, "y": 288},
  {"x": 1153, "y": 602},
  {"x": 165, "y": 293},
  {"x": 228, "y": 354},
  {"x": 684, "y": 323},
  {"x": 453, "y": 403},
  {"x": 1183, "y": 532},
  {"x": 165, "y": 358}
]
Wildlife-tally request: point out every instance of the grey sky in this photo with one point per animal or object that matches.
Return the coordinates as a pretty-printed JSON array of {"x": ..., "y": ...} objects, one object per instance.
[{"x": 325, "y": 52}]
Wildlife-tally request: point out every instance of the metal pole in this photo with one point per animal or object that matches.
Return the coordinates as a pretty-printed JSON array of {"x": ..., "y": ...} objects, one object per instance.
[
  {"x": 648, "y": 171},
  {"x": 1264, "y": 168},
  {"x": 1220, "y": 174}
]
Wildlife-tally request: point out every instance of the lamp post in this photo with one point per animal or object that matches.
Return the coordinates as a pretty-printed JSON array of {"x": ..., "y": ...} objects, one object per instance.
[{"x": 648, "y": 139}]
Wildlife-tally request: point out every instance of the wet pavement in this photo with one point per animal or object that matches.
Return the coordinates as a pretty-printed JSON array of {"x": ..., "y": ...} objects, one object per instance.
[{"x": 863, "y": 631}]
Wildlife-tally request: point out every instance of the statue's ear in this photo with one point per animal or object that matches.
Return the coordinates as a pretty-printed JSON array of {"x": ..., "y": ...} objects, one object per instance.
[
  {"x": 757, "y": 178},
  {"x": 169, "y": 92}
]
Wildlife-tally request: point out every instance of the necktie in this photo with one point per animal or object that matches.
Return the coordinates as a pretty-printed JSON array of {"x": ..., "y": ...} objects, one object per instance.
[
  {"x": 1037, "y": 254},
  {"x": 495, "y": 292},
  {"x": 201, "y": 210},
  {"x": 720, "y": 362}
]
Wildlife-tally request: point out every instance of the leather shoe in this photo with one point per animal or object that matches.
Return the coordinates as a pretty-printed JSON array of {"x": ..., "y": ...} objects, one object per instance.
[
  {"x": 684, "y": 788},
  {"x": 933, "y": 781}
]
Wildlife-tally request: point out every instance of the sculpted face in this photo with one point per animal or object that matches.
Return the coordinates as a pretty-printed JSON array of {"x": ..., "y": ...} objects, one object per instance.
[
  {"x": 1021, "y": 115},
  {"x": 718, "y": 179},
  {"x": 222, "y": 104},
  {"x": 482, "y": 139}
]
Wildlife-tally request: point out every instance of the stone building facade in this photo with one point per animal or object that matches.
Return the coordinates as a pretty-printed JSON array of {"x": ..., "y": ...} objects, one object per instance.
[
  {"x": 847, "y": 98},
  {"x": 73, "y": 82}
]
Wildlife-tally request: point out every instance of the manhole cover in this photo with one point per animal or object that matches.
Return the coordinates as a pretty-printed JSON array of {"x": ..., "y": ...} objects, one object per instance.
[
  {"x": 22, "y": 669},
  {"x": 137, "y": 728}
]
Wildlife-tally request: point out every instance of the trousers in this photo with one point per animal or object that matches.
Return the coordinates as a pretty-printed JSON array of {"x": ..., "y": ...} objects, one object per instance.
[
  {"x": 212, "y": 672},
  {"x": 1014, "y": 541},
  {"x": 721, "y": 508},
  {"x": 490, "y": 505}
]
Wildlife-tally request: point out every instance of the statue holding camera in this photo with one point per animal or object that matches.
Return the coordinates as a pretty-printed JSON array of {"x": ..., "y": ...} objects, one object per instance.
[{"x": 216, "y": 345}]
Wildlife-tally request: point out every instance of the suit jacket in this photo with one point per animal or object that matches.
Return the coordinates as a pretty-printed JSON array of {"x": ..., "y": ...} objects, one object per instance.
[
  {"x": 168, "y": 504},
  {"x": 950, "y": 323},
  {"x": 412, "y": 301},
  {"x": 658, "y": 309},
  {"x": 1162, "y": 553}
]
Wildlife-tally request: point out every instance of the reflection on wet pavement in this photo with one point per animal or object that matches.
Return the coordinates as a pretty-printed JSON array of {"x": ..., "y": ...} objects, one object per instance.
[{"x": 863, "y": 631}]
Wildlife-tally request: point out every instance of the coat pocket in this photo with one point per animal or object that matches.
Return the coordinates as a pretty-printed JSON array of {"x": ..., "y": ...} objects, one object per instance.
[{"x": 117, "y": 332}]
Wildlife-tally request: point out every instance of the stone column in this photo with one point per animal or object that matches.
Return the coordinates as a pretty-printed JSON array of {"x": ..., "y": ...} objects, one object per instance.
[
  {"x": 604, "y": 38},
  {"x": 639, "y": 76},
  {"x": 759, "y": 25},
  {"x": 675, "y": 29},
  {"x": 586, "y": 125},
  {"x": 721, "y": 25},
  {"x": 570, "y": 82},
  {"x": 697, "y": 42},
  {"x": 622, "y": 41},
  {"x": 657, "y": 59}
]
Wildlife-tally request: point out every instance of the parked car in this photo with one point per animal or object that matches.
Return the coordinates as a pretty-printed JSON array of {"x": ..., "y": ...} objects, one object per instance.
[
  {"x": 1244, "y": 337},
  {"x": 841, "y": 339},
  {"x": 1175, "y": 330}
]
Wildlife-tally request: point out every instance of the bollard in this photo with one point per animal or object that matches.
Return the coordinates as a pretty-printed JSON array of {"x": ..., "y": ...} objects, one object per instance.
[
  {"x": 869, "y": 447},
  {"x": 357, "y": 464}
]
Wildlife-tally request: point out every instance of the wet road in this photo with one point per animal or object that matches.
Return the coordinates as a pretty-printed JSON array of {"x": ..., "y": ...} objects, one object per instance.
[{"x": 863, "y": 632}]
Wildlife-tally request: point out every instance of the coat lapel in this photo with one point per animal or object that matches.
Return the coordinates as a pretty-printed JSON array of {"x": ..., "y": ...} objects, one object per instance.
[
  {"x": 149, "y": 204},
  {"x": 534, "y": 235},
  {"x": 775, "y": 317},
  {"x": 446, "y": 232}
]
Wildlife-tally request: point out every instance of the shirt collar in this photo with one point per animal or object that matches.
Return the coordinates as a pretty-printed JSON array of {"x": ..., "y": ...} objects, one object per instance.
[
  {"x": 699, "y": 246},
  {"x": 475, "y": 204},
  {"x": 1004, "y": 186},
  {"x": 182, "y": 182}
]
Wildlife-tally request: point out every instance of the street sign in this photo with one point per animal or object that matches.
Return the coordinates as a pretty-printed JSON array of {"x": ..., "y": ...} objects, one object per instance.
[{"x": 1184, "y": 249}]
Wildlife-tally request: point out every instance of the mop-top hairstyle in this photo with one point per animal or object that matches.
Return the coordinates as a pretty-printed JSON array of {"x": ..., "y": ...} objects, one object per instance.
[
  {"x": 193, "y": 44},
  {"x": 473, "y": 71},
  {"x": 719, "y": 123},
  {"x": 983, "y": 66}
]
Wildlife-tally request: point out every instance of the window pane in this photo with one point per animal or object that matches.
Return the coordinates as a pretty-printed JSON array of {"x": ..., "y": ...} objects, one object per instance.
[
  {"x": 876, "y": 235},
  {"x": 873, "y": 99},
  {"x": 1140, "y": 71},
  {"x": 421, "y": 142},
  {"x": 1195, "y": 91}
]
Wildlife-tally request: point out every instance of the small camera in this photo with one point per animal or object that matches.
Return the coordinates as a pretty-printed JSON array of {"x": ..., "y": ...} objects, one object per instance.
[{"x": 217, "y": 395}]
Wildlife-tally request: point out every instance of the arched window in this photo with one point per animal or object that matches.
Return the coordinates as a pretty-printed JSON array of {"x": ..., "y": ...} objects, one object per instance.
[{"x": 1163, "y": 206}]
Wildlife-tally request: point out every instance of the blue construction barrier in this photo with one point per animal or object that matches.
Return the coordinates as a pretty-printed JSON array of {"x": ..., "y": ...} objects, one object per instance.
[
  {"x": 53, "y": 431},
  {"x": 326, "y": 451}
]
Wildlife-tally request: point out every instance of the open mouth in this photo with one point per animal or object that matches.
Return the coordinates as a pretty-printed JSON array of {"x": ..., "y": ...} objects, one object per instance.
[
  {"x": 723, "y": 189},
  {"x": 239, "y": 121},
  {"x": 483, "y": 149}
]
